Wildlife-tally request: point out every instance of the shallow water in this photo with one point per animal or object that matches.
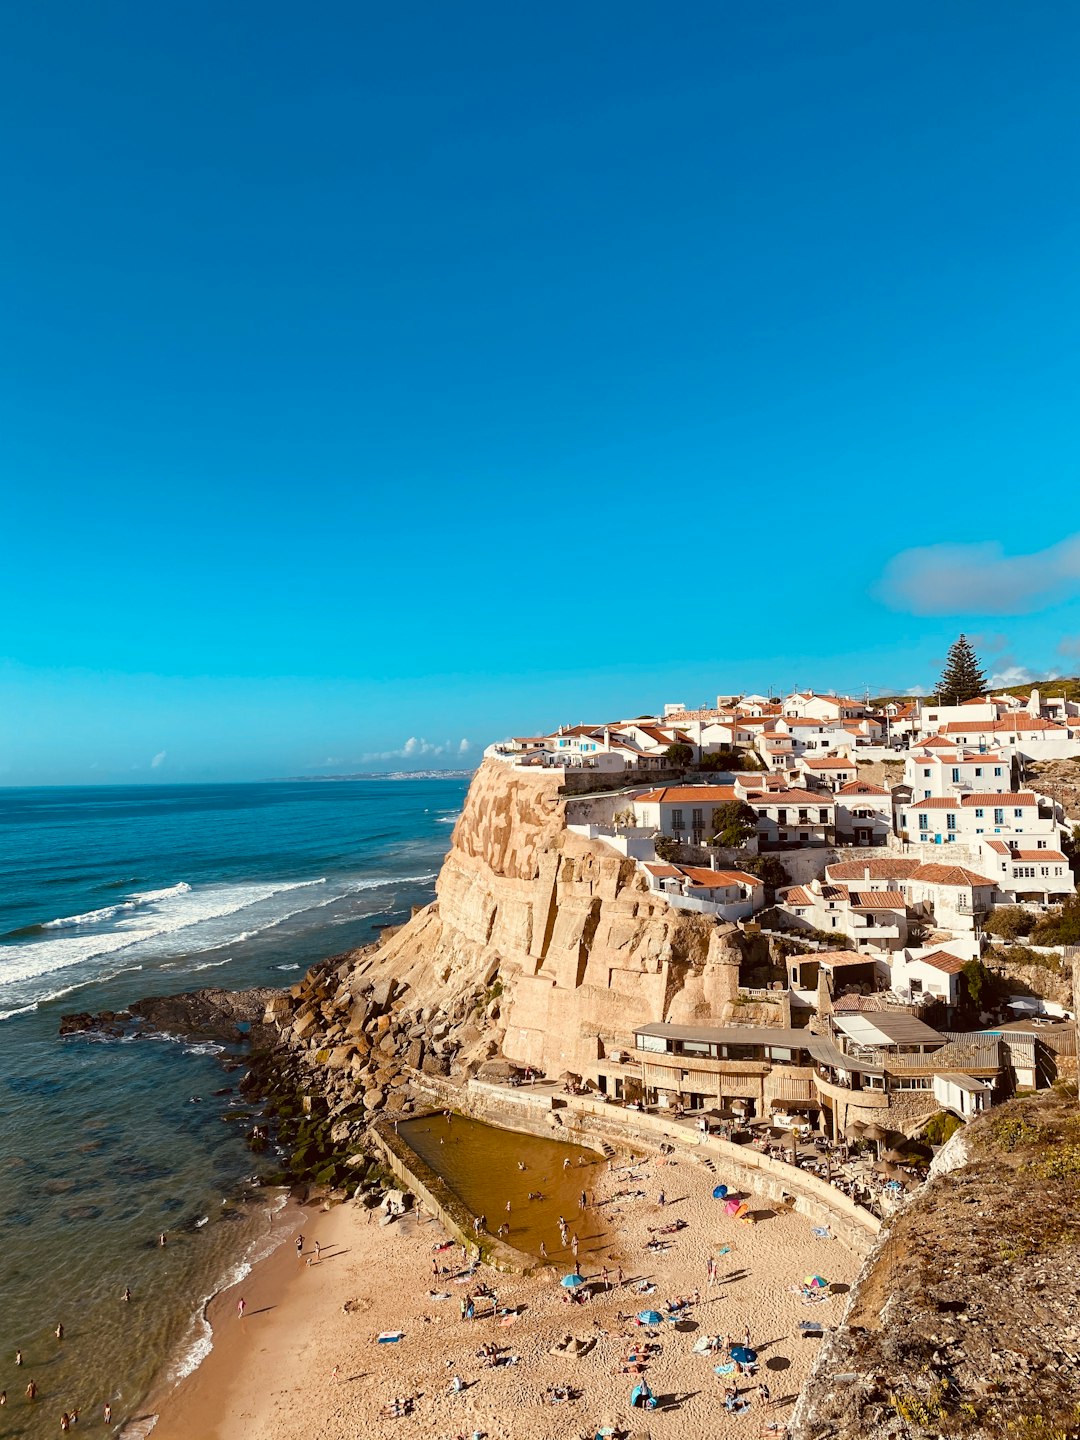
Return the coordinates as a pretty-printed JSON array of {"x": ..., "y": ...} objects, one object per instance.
[
  {"x": 117, "y": 893},
  {"x": 481, "y": 1164}
]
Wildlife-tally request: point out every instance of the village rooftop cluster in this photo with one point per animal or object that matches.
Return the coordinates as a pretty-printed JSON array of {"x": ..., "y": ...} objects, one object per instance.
[{"x": 873, "y": 843}]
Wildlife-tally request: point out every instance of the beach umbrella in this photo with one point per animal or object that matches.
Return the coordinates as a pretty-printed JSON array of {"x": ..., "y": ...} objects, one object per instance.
[
  {"x": 650, "y": 1317},
  {"x": 876, "y": 1133},
  {"x": 856, "y": 1130},
  {"x": 815, "y": 1282},
  {"x": 720, "y": 1193},
  {"x": 897, "y": 1156},
  {"x": 731, "y": 1206},
  {"x": 571, "y": 1282},
  {"x": 742, "y": 1354}
]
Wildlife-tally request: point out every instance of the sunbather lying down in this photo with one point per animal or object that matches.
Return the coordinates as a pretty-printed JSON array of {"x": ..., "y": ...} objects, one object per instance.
[{"x": 394, "y": 1409}]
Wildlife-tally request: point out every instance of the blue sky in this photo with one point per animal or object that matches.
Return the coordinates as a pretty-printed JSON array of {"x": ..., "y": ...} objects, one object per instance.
[{"x": 443, "y": 371}]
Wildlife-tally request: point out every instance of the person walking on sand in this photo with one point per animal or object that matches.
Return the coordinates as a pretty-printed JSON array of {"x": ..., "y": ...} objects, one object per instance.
[
  {"x": 31, "y": 1390},
  {"x": 241, "y": 1306},
  {"x": 161, "y": 1240},
  {"x": 584, "y": 1201},
  {"x": 106, "y": 1414},
  {"x": 18, "y": 1357},
  {"x": 59, "y": 1332},
  {"x": 543, "y": 1250},
  {"x": 299, "y": 1246},
  {"x": 75, "y": 1416},
  {"x": 65, "y": 1422},
  {"x": 318, "y": 1252},
  {"x": 574, "y": 1245},
  {"x": 126, "y": 1297}
]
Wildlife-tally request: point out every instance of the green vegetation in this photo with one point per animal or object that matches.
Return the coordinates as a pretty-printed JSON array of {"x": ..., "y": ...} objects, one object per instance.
[
  {"x": 733, "y": 823},
  {"x": 666, "y": 848},
  {"x": 729, "y": 760},
  {"x": 962, "y": 678},
  {"x": 768, "y": 869},
  {"x": 1009, "y": 921},
  {"x": 1060, "y": 928},
  {"x": 679, "y": 754},
  {"x": 941, "y": 1126}
]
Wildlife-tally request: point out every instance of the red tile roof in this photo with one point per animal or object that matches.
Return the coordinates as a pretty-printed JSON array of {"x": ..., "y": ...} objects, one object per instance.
[
  {"x": 897, "y": 869},
  {"x": 943, "y": 960},
  {"x": 689, "y": 795},
  {"x": 936, "y": 874}
]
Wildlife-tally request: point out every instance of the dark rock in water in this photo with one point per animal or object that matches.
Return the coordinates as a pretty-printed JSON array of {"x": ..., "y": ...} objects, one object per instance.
[
  {"x": 210, "y": 1014},
  {"x": 225, "y": 1090}
]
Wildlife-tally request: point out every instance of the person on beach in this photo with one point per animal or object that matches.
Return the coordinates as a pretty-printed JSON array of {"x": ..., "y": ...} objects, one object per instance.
[
  {"x": 106, "y": 1414},
  {"x": 18, "y": 1357},
  {"x": 126, "y": 1297},
  {"x": 59, "y": 1332},
  {"x": 3, "y": 1397},
  {"x": 31, "y": 1390},
  {"x": 566, "y": 1163},
  {"x": 241, "y": 1306},
  {"x": 660, "y": 1199},
  {"x": 764, "y": 1393},
  {"x": 543, "y": 1250},
  {"x": 299, "y": 1246},
  {"x": 161, "y": 1240},
  {"x": 318, "y": 1252},
  {"x": 574, "y": 1245},
  {"x": 65, "y": 1421},
  {"x": 584, "y": 1202}
]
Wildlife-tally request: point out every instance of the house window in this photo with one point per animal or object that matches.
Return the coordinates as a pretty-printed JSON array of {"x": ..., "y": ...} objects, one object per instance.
[
  {"x": 1019, "y": 814},
  {"x": 781, "y": 817},
  {"x": 698, "y": 819},
  {"x": 999, "y": 817},
  {"x": 955, "y": 774},
  {"x": 677, "y": 821},
  {"x": 950, "y": 822},
  {"x": 997, "y": 771},
  {"x": 978, "y": 814},
  {"x": 823, "y": 816},
  {"x": 924, "y": 822},
  {"x": 978, "y": 771},
  {"x": 804, "y": 815},
  {"x": 926, "y": 774},
  {"x": 1041, "y": 845}
]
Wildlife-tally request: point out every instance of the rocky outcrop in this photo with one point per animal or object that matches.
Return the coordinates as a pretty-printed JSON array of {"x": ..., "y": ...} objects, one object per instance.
[
  {"x": 209, "y": 1014},
  {"x": 964, "y": 1322},
  {"x": 554, "y": 941}
]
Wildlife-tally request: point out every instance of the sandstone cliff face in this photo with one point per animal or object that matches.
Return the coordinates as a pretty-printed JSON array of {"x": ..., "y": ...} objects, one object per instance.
[{"x": 581, "y": 950}]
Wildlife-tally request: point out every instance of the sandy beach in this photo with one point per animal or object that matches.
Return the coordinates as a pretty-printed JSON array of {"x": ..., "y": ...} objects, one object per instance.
[{"x": 305, "y": 1358}]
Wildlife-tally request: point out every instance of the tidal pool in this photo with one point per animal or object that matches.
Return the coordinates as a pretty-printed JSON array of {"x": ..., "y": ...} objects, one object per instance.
[{"x": 486, "y": 1167}]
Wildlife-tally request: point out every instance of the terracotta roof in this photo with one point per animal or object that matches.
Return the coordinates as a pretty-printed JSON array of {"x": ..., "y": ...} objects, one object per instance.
[
  {"x": 1007, "y": 797},
  {"x": 689, "y": 795},
  {"x": 663, "y": 872},
  {"x": 897, "y": 869},
  {"x": 1004, "y": 724},
  {"x": 877, "y": 900},
  {"x": 943, "y": 960},
  {"x": 829, "y": 762},
  {"x": 789, "y": 798},
  {"x": 935, "y": 874},
  {"x": 835, "y": 958},
  {"x": 803, "y": 895},
  {"x": 1028, "y": 855},
  {"x": 860, "y": 787},
  {"x": 708, "y": 879},
  {"x": 937, "y": 802}
]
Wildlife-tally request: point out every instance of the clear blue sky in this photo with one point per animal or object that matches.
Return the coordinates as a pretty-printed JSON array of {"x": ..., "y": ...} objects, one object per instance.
[{"x": 438, "y": 371}]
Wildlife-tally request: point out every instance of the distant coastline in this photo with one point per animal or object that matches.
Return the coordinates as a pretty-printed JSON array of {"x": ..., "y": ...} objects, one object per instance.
[{"x": 380, "y": 775}]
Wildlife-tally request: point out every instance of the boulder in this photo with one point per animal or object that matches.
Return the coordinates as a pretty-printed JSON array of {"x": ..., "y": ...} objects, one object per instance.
[
  {"x": 374, "y": 1099},
  {"x": 340, "y": 1057},
  {"x": 304, "y": 1024},
  {"x": 414, "y": 1056}
]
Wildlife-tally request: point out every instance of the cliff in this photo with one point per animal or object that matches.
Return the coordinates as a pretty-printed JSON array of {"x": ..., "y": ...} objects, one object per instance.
[
  {"x": 566, "y": 945},
  {"x": 964, "y": 1322}
]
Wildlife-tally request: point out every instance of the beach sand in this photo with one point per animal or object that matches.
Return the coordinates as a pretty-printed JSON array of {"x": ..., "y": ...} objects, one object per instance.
[{"x": 305, "y": 1361}]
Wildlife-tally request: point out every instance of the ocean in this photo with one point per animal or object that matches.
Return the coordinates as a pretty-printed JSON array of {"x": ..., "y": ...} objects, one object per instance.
[{"x": 107, "y": 895}]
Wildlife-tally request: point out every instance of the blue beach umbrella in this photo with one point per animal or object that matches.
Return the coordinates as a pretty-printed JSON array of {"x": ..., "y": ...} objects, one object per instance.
[
  {"x": 650, "y": 1317},
  {"x": 720, "y": 1193},
  {"x": 571, "y": 1282},
  {"x": 743, "y": 1354}
]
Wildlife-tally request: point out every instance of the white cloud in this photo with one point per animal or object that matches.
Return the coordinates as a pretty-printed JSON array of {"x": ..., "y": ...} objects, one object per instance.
[
  {"x": 1069, "y": 645},
  {"x": 1013, "y": 675},
  {"x": 417, "y": 748},
  {"x": 980, "y": 579},
  {"x": 158, "y": 760}
]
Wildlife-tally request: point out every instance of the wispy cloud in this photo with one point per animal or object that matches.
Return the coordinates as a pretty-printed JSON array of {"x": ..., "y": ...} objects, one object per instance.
[
  {"x": 158, "y": 760},
  {"x": 417, "y": 748},
  {"x": 1069, "y": 645},
  {"x": 980, "y": 579}
]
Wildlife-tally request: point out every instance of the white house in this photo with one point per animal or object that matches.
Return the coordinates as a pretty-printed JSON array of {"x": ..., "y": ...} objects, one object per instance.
[
  {"x": 730, "y": 895},
  {"x": 829, "y": 770},
  {"x": 1029, "y": 735},
  {"x": 864, "y": 814},
  {"x": 939, "y": 820},
  {"x": 958, "y": 898},
  {"x": 941, "y": 772},
  {"x": 922, "y": 974},
  {"x": 871, "y": 919},
  {"x": 813, "y": 705},
  {"x": 682, "y": 811},
  {"x": 792, "y": 817},
  {"x": 1037, "y": 873}
]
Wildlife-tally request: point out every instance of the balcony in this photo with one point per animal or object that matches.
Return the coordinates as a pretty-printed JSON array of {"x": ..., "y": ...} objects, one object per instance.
[{"x": 845, "y": 1095}]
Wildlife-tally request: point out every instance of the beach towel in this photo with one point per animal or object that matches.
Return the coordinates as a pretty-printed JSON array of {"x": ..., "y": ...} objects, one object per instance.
[
  {"x": 439, "y": 1294},
  {"x": 822, "y": 1232},
  {"x": 723, "y": 1369},
  {"x": 389, "y": 1337},
  {"x": 507, "y": 1320}
]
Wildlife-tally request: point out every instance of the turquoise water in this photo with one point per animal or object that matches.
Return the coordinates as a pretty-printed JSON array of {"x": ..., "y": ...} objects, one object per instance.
[{"x": 107, "y": 895}]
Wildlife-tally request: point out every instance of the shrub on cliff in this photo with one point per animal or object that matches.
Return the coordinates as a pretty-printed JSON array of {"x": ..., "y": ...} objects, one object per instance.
[
  {"x": 1009, "y": 921},
  {"x": 1063, "y": 928},
  {"x": 733, "y": 823}
]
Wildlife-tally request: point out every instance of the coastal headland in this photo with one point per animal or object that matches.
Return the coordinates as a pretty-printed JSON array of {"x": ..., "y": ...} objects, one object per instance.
[{"x": 541, "y": 954}]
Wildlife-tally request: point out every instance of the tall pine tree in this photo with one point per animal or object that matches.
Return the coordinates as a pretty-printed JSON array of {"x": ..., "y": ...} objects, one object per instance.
[{"x": 962, "y": 679}]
